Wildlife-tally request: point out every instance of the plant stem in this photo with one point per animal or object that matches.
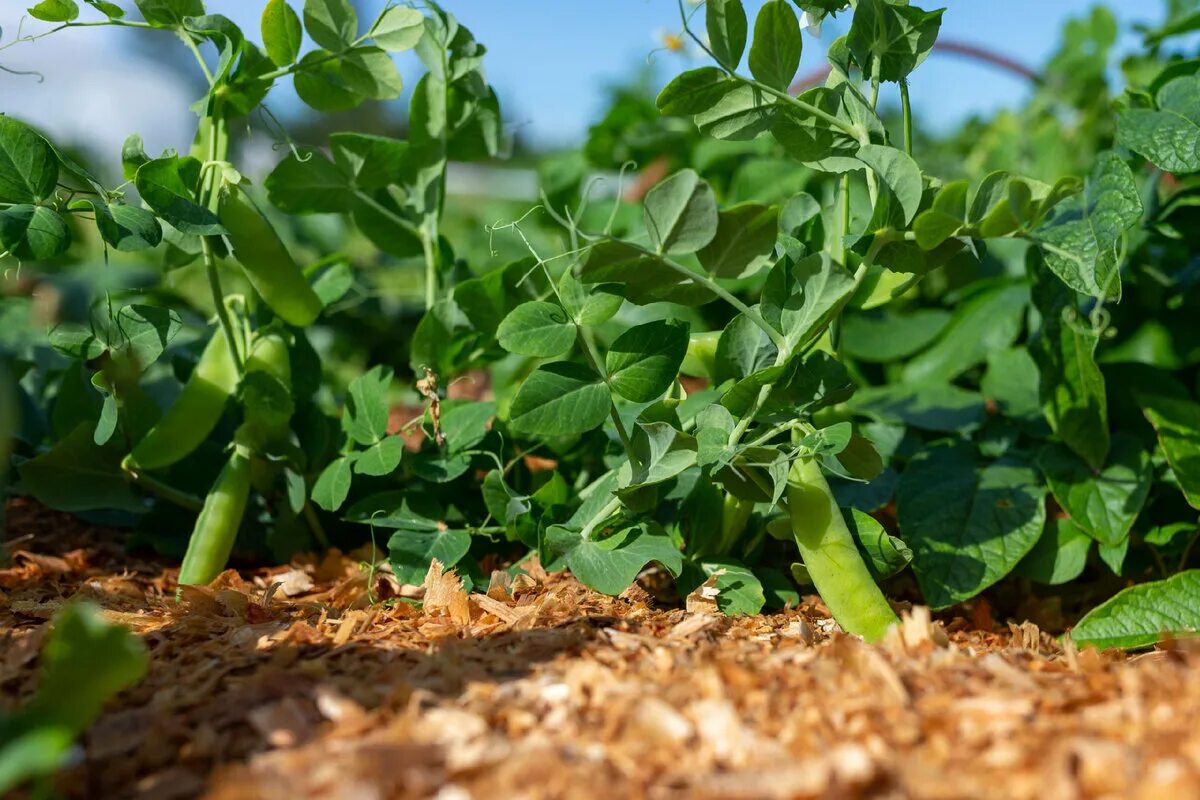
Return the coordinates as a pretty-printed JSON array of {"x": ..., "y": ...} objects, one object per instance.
[
  {"x": 314, "y": 524},
  {"x": 431, "y": 268},
  {"x": 834, "y": 563},
  {"x": 191, "y": 45},
  {"x": 218, "y": 296},
  {"x": 163, "y": 490},
  {"x": 906, "y": 113}
]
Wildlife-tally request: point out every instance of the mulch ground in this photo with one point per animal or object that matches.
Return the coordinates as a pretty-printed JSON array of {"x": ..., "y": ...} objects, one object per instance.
[{"x": 318, "y": 680}]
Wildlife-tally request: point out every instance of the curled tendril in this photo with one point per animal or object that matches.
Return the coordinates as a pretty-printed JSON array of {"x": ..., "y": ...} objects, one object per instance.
[
  {"x": 280, "y": 134},
  {"x": 41, "y": 78}
]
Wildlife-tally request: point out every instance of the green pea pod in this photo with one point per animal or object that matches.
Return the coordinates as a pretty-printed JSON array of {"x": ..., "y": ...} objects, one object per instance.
[
  {"x": 269, "y": 410},
  {"x": 701, "y": 355},
  {"x": 217, "y": 526},
  {"x": 267, "y": 263},
  {"x": 192, "y": 417}
]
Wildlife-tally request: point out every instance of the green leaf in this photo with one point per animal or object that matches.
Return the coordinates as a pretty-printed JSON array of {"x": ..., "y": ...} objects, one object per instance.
[
  {"x": 169, "y": 13},
  {"x": 1169, "y": 136},
  {"x": 1011, "y": 382},
  {"x": 1140, "y": 615},
  {"x": 110, "y": 10},
  {"x": 589, "y": 303},
  {"x": 1072, "y": 388},
  {"x": 333, "y": 484},
  {"x": 725, "y": 21},
  {"x": 398, "y": 28},
  {"x": 324, "y": 84},
  {"x": 643, "y": 361},
  {"x": 55, "y": 11},
  {"x": 28, "y": 165},
  {"x": 281, "y": 32},
  {"x": 742, "y": 113},
  {"x": 77, "y": 475},
  {"x": 560, "y": 399},
  {"x": 1081, "y": 237},
  {"x": 1105, "y": 504},
  {"x": 742, "y": 350},
  {"x": 133, "y": 155},
  {"x": 943, "y": 408},
  {"x": 1176, "y": 418},
  {"x": 886, "y": 336},
  {"x": 371, "y": 72},
  {"x": 889, "y": 40},
  {"x": 366, "y": 416},
  {"x": 899, "y": 172},
  {"x": 332, "y": 24},
  {"x": 990, "y": 320},
  {"x": 739, "y": 591},
  {"x": 106, "y": 426},
  {"x": 968, "y": 522},
  {"x": 886, "y": 555},
  {"x": 381, "y": 458},
  {"x": 681, "y": 213},
  {"x": 333, "y": 283},
  {"x": 421, "y": 534},
  {"x": 775, "y": 49},
  {"x": 662, "y": 453},
  {"x": 645, "y": 277},
  {"x": 611, "y": 565},
  {"x": 147, "y": 330},
  {"x": 34, "y": 233},
  {"x": 1059, "y": 556},
  {"x": 167, "y": 185},
  {"x": 465, "y": 423},
  {"x": 127, "y": 228},
  {"x": 309, "y": 184},
  {"x": 933, "y": 227},
  {"x": 800, "y": 300},
  {"x": 744, "y": 241},
  {"x": 693, "y": 92},
  {"x": 538, "y": 329}
]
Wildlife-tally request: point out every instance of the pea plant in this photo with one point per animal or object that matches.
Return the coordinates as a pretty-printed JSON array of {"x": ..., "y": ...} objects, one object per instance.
[
  {"x": 825, "y": 349},
  {"x": 249, "y": 398}
]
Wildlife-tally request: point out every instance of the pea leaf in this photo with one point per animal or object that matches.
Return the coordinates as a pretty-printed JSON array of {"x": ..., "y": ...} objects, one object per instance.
[
  {"x": 167, "y": 185},
  {"x": 398, "y": 28},
  {"x": 645, "y": 277},
  {"x": 55, "y": 11},
  {"x": 743, "y": 112},
  {"x": 889, "y": 40},
  {"x": 35, "y": 233},
  {"x": 560, "y": 399},
  {"x": 1176, "y": 418},
  {"x": 78, "y": 475},
  {"x": 371, "y": 72},
  {"x": 775, "y": 50},
  {"x": 28, "y": 165},
  {"x": 968, "y": 522},
  {"x": 589, "y": 303},
  {"x": 1072, "y": 389},
  {"x": 990, "y": 320},
  {"x": 381, "y": 458},
  {"x": 366, "y": 416},
  {"x": 725, "y": 21},
  {"x": 643, "y": 361},
  {"x": 308, "y": 184},
  {"x": 662, "y": 453},
  {"x": 147, "y": 330},
  {"x": 681, "y": 213},
  {"x": 1059, "y": 556},
  {"x": 942, "y": 408},
  {"x": 744, "y": 241},
  {"x": 332, "y": 24},
  {"x": 110, "y": 10},
  {"x": 333, "y": 484},
  {"x": 1103, "y": 505},
  {"x": 421, "y": 534},
  {"x": 281, "y": 32},
  {"x": 1140, "y": 615},
  {"x": 538, "y": 329},
  {"x": 1081, "y": 236},
  {"x": 693, "y": 92},
  {"x": 324, "y": 83},
  {"x": 1011, "y": 382},
  {"x": 899, "y": 172},
  {"x": 800, "y": 299},
  {"x": 611, "y": 564},
  {"x": 1168, "y": 136},
  {"x": 887, "y": 336},
  {"x": 169, "y": 13},
  {"x": 742, "y": 350},
  {"x": 739, "y": 590}
]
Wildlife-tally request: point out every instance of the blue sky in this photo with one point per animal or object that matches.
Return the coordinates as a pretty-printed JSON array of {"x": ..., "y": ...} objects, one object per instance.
[{"x": 549, "y": 59}]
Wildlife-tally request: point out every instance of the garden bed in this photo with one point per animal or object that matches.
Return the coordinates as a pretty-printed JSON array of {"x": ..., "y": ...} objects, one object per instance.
[{"x": 291, "y": 682}]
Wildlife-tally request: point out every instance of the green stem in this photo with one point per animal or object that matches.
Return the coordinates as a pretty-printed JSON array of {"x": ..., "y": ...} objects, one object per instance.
[
  {"x": 906, "y": 113},
  {"x": 159, "y": 489},
  {"x": 430, "y": 250},
  {"x": 314, "y": 525},
  {"x": 609, "y": 509},
  {"x": 191, "y": 45},
  {"x": 831, "y": 556},
  {"x": 218, "y": 296}
]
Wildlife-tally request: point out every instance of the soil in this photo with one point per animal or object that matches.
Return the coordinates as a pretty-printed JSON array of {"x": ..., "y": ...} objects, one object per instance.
[{"x": 323, "y": 679}]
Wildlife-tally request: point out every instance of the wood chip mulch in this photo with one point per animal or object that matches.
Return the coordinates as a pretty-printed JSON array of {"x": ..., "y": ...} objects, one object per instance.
[{"x": 322, "y": 680}]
